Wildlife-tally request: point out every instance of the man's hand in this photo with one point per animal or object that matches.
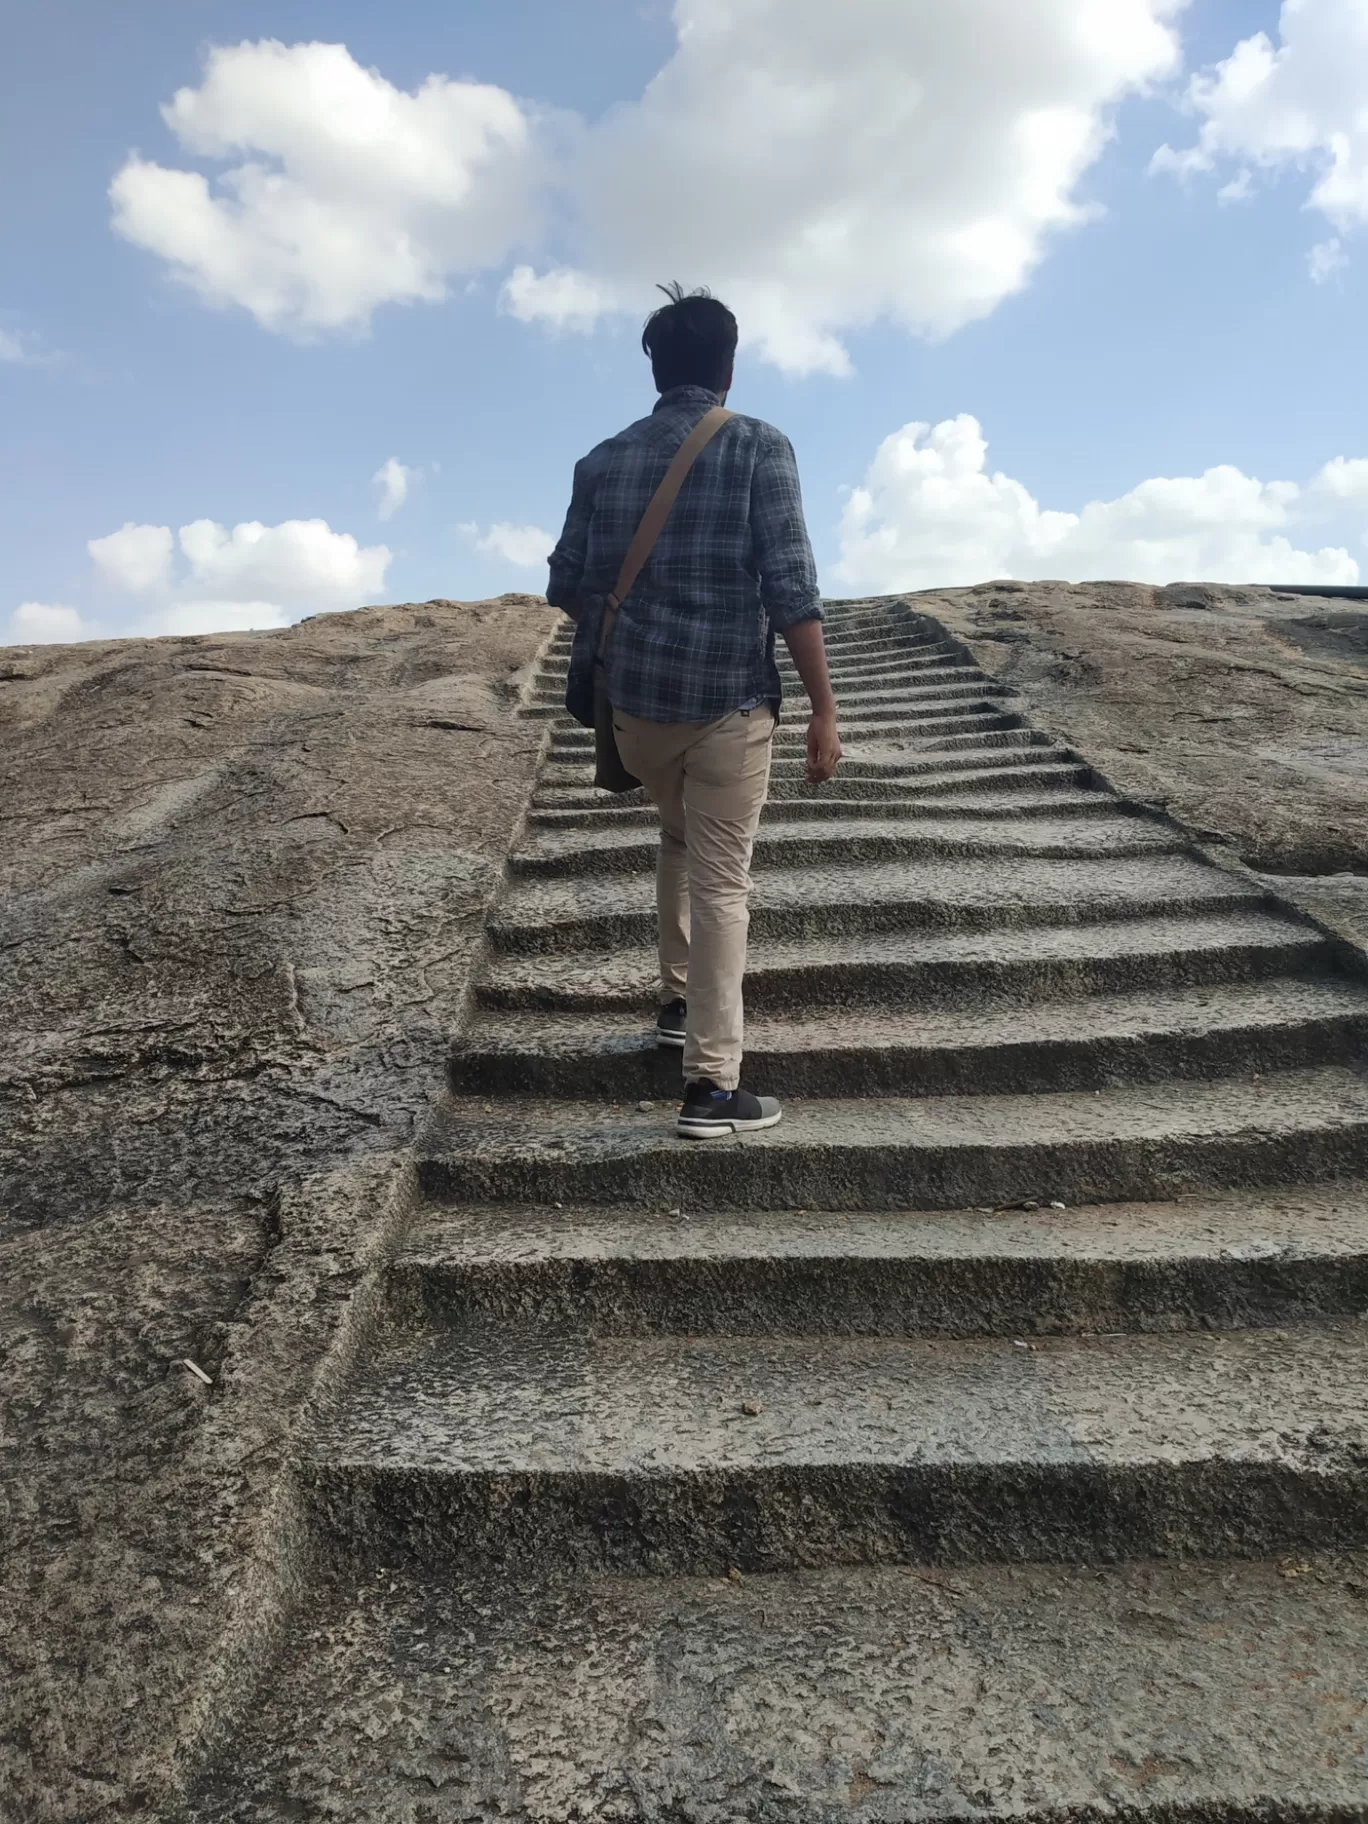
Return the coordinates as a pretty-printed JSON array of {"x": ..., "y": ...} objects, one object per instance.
[
  {"x": 823, "y": 748},
  {"x": 804, "y": 641}
]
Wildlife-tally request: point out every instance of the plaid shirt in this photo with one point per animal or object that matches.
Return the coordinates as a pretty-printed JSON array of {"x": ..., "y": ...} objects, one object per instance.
[{"x": 695, "y": 638}]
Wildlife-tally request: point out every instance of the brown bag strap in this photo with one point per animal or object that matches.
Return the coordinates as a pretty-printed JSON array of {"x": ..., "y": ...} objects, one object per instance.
[{"x": 653, "y": 519}]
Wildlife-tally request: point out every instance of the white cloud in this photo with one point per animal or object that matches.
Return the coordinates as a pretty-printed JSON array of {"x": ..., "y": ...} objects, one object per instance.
[
  {"x": 1345, "y": 479},
  {"x": 135, "y": 559},
  {"x": 1301, "y": 103},
  {"x": 825, "y": 166},
  {"x": 251, "y": 576},
  {"x": 47, "y": 624},
  {"x": 350, "y": 192},
  {"x": 1325, "y": 259},
  {"x": 302, "y": 562},
  {"x": 526, "y": 546},
  {"x": 11, "y": 348},
  {"x": 561, "y": 298},
  {"x": 393, "y": 480},
  {"x": 212, "y": 617},
  {"x": 820, "y": 167},
  {"x": 930, "y": 514}
]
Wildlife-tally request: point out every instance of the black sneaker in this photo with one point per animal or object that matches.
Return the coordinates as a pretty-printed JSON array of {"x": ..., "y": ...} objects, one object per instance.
[
  {"x": 710, "y": 1113},
  {"x": 670, "y": 1025}
]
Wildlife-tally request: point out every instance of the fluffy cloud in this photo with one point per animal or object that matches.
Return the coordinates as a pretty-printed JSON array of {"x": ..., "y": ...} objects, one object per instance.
[
  {"x": 931, "y": 514},
  {"x": 211, "y": 617},
  {"x": 826, "y": 166},
  {"x": 135, "y": 558},
  {"x": 47, "y": 624},
  {"x": 1345, "y": 480},
  {"x": 1302, "y": 102},
  {"x": 251, "y": 576},
  {"x": 393, "y": 480},
  {"x": 526, "y": 546},
  {"x": 349, "y": 192},
  {"x": 822, "y": 167},
  {"x": 561, "y": 298}
]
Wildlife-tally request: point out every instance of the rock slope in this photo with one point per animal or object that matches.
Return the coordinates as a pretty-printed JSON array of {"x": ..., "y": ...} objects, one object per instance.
[
  {"x": 987, "y": 1440},
  {"x": 244, "y": 880}
]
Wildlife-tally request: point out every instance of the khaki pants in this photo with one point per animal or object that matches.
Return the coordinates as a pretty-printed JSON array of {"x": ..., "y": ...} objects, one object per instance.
[{"x": 708, "y": 780}]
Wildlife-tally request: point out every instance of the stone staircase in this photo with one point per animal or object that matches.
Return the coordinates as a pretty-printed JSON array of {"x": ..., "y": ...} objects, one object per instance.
[{"x": 990, "y": 1439}]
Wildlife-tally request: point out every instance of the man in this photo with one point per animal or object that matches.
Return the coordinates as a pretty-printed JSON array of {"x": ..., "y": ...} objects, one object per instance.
[{"x": 691, "y": 676}]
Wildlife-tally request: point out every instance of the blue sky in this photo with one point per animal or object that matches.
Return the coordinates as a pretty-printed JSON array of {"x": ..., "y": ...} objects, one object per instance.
[{"x": 1164, "y": 386}]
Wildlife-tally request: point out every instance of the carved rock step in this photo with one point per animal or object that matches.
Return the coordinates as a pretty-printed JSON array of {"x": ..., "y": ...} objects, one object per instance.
[
  {"x": 951, "y": 1152},
  {"x": 877, "y": 722},
  {"x": 977, "y": 970},
  {"x": 875, "y": 725},
  {"x": 855, "y": 701},
  {"x": 1148, "y": 1693},
  {"x": 891, "y": 769},
  {"x": 839, "y": 899},
  {"x": 881, "y": 689},
  {"x": 918, "y": 671},
  {"x": 572, "y": 743},
  {"x": 914, "y": 661},
  {"x": 786, "y": 808},
  {"x": 555, "y": 854},
  {"x": 1093, "y": 1042},
  {"x": 987, "y": 772},
  {"x": 1216, "y": 1262},
  {"x": 879, "y": 726},
  {"x": 673, "y": 1454},
  {"x": 859, "y": 641}
]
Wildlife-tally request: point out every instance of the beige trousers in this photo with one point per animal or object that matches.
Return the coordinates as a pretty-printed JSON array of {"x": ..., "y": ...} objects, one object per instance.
[{"x": 708, "y": 780}]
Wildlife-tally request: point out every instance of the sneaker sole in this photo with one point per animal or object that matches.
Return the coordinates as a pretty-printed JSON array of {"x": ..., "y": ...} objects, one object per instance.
[
  {"x": 674, "y": 1040},
  {"x": 724, "y": 1130}
]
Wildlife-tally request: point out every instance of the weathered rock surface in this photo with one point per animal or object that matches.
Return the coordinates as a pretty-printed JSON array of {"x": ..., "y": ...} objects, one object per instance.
[
  {"x": 1243, "y": 712},
  {"x": 243, "y": 881},
  {"x": 548, "y": 1467},
  {"x": 986, "y": 1440}
]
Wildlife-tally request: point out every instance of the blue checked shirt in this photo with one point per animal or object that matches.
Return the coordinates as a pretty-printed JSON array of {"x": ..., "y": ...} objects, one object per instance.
[{"x": 695, "y": 638}]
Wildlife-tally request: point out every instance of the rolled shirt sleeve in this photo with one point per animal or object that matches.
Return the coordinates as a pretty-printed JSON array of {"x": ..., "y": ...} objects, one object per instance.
[{"x": 783, "y": 551}]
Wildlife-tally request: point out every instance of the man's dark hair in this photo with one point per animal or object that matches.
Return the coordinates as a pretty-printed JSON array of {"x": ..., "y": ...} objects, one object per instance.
[{"x": 691, "y": 340}]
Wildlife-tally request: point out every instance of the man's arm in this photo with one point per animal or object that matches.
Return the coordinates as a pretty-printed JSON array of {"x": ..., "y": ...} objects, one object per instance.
[
  {"x": 789, "y": 592},
  {"x": 804, "y": 641},
  {"x": 567, "y": 561}
]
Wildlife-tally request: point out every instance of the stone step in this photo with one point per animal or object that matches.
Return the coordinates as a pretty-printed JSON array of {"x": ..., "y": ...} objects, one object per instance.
[
  {"x": 874, "y": 691},
  {"x": 1147, "y": 1693},
  {"x": 499, "y": 1443},
  {"x": 1080, "y": 1043},
  {"x": 935, "y": 670},
  {"x": 889, "y": 758},
  {"x": 913, "y": 662},
  {"x": 975, "y": 969},
  {"x": 932, "y": 663},
  {"x": 870, "y": 647},
  {"x": 1222, "y": 1262},
  {"x": 844, "y": 641},
  {"x": 869, "y": 783},
  {"x": 614, "y": 815},
  {"x": 871, "y": 725},
  {"x": 841, "y": 899},
  {"x": 571, "y": 768},
  {"x": 599, "y": 850},
  {"x": 951, "y": 1152},
  {"x": 974, "y": 727},
  {"x": 854, "y": 703}
]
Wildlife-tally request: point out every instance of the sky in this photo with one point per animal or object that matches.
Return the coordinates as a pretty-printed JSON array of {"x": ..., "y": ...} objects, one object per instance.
[{"x": 304, "y": 307}]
